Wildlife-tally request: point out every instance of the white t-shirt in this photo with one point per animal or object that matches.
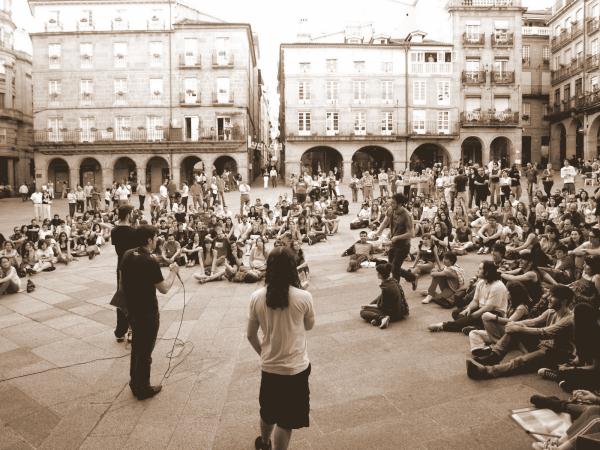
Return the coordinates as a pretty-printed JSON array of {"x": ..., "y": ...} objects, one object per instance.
[
  {"x": 494, "y": 294},
  {"x": 284, "y": 349},
  {"x": 162, "y": 190},
  {"x": 14, "y": 276},
  {"x": 568, "y": 173}
]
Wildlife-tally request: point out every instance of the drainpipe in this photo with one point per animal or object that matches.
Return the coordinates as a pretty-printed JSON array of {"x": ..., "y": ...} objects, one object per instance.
[
  {"x": 406, "y": 100},
  {"x": 169, "y": 149}
]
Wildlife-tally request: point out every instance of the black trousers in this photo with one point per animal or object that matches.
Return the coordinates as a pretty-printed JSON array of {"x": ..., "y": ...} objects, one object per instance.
[
  {"x": 122, "y": 321},
  {"x": 396, "y": 256},
  {"x": 142, "y": 200},
  {"x": 145, "y": 330}
]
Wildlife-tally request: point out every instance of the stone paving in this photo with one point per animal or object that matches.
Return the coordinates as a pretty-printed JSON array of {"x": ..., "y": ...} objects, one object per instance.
[{"x": 400, "y": 388}]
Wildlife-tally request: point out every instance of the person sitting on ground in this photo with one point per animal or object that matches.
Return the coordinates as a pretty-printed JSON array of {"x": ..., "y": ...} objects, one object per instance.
[
  {"x": 10, "y": 283},
  {"x": 390, "y": 305},
  {"x": 427, "y": 257},
  {"x": 362, "y": 218},
  {"x": 493, "y": 324},
  {"x": 363, "y": 251},
  {"x": 44, "y": 257},
  {"x": 563, "y": 270},
  {"x": 548, "y": 339},
  {"x": 450, "y": 278},
  {"x": 488, "y": 235},
  {"x": 490, "y": 295},
  {"x": 463, "y": 238}
]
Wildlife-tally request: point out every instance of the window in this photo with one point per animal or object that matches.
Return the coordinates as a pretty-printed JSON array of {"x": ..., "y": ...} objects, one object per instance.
[
  {"x": 154, "y": 125},
  {"x": 85, "y": 21},
  {"x": 472, "y": 30},
  {"x": 579, "y": 50},
  {"x": 120, "y": 85},
  {"x": 2, "y": 100},
  {"x": 223, "y": 94},
  {"x": 387, "y": 67},
  {"x": 472, "y": 105},
  {"x": 3, "y": 139},
  {"x": 546, "y": 53},
  {"x": 156, "y": 54},
  {"x": 594, "y": 82},
  {"x": 86, "y": 124},
  {"x": 418, "y": 117},
  {"x": 332, "y": 91},
  {"x": 594, "y": 11},
  {"x": 594, "y": 47},
  {"x": 501, "y": 30},
  {"x": 557, "y": 97},
  {"x": 54, "y": 56},
  {"x": 86, "y": 54},
  {"x": 358, "y": 89},
  {"x": 156, "y": 90},
  {"x": 501, "y": 104},
  {"x": 304, "y": 123},
  {"x": 2, "y": 67},
  {"x": 190, "y": 86},
  {"x": 501, "y": 65},
  {"x": 526, "y": 112},
  {"x": 472, "y": 65},
  {"x": 53, "y": 19},
  {"x": 578, "y": 87},
  {"x": 86, "y": 91},
  {"x": 55, "y": 127},
  {"x": 332, "y": 123},
  {"x": 387, "y": 123},
  {"x": 387, "y": 91},
  {"x": 419, "y": 92},
  {"x": 224, "y": 128},
  {"x": 567, "y": 92},
  {"x": 190, "y": 46},
  {"x": 360, "y": 123},
  {"x": 443, "y": 92},
  {"x": 304, "y": 91},
  {"x": 222, "y": 45},
  {"x": 443, "y": 122},
  {"x": 122, "y": 128},
  {"x": 359, "y": 66},
  {"x": 304, "y": 67},
  {"x": 120, "y": 54},
  {"x": 525, "y": 54},
  {"x": 331, "y": 65},
  {"x": 54, "y": 89}
]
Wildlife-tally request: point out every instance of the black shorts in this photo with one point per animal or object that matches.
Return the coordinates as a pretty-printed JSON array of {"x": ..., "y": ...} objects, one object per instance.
[{"x": 285, "y": 399}]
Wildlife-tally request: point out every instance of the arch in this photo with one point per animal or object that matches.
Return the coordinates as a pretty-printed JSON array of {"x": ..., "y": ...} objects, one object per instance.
[
  {"x": 157, "y": 170},
  {"x": 594, "y": 138},
  {"x": 90, "y": 171},
  {"x": 321, "y": 159},
  {"x": 225, "y": 162},
  {"x": 188, "y": 166},
  {"x": 501, "y": 149},
  {"x": 125, "y": 170},
  {"x": 562, "y": 142},
  {"x": 59, "y": 174},
  {"x": 471, "y": 149},
  {"x": 426, "y": 155},
  {"x": 579, "y": 138},
  {"x": 370, "y": 158}
]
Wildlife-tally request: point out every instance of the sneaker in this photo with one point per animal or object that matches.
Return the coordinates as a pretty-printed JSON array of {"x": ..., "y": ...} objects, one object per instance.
[
  {"x": 260, "y": 445},
  {"x": 481, "y": 352},
  {"x": 543, "y": 402},
  {"x": 480, "y": 251},
  {"x": 121, "y": 338},
  {"x": 374, "y": 322},
  {"x": 467, "y": 330},
  {"x": 384, "y": 322},
  {"x": 490, "y": 360},
  {"x": 548, "y": 374},
  {"x": 427, "y": 300},
  {"x": 150, "y": 392},
  {"x": 567, "y": 386},
  {"x": 129, "y": 336},
  {"x": 436, "y": 327},
  {"x": 30, "y": 286},
  {"x": 476, "y": 371}
]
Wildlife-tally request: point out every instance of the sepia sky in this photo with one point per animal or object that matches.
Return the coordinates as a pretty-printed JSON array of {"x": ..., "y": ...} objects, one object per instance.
[{"x": 276, "y": 21}]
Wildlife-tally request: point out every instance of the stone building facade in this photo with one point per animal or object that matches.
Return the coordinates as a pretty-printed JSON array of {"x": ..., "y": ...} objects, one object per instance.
[{"x": 143, "y": 91}]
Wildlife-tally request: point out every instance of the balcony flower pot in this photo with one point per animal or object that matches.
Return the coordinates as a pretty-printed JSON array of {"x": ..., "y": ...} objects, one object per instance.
[
  {"x": 120, "y": 93},
  {"x": 156, "y": 55},
  {"x": 525, "y": 117},
  {"x": 79, "y": 130},
  {"x": 83, "y": 19},
  {"x": 52, "y": 21},
  {"x": 63, "y": 130},
  {"x": 126, "y": 128},
  {"x": 120, "y": 56},
  {"x": 118, "y": 19},
  {"x": 141, "y": 128},
  {"x": 109, "y": 129},
  {"x": 94, "y": 129},
  {"x": 54, "y": 57},
  {"x": 49, "y": 130},
  {"x": 155, "y": 18},
  {"x": 157, "y": 93}
]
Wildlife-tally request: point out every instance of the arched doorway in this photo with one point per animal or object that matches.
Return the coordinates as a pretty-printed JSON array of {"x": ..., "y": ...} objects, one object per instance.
[
  {"x": 225, "y": 162},
  {"x": 371, "y": 158},
  {"x": 501, "y": 150},
  {"x": 472, "y": 150},
  {"x": 563, "y": 143},
  {"x": 157, "y": 171},
  {"x": 187, "y": 168},
  {"x": 90, "y": 171},
  {"x": 578, "y": 142},
  {"x": 125, "y": 171},
  {"x": 321, "y": 159},
  {"x": 426, "y": 155},
  {"x": 58, "y": 174}
]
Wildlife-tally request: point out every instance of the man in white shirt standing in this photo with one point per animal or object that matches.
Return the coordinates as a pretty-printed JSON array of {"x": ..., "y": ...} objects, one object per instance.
[
  {"x": 164, "y": 195},
  {"x": 284, "y": 313},
  {"x": 88, "y": 188},
  {"x": 36, "y": 199},
  {"x": 567, "y": 173}
]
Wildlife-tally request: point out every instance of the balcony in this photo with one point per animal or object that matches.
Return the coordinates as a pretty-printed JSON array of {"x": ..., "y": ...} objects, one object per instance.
[
  {"x": 593, "y": 25},
  {"x": 222, "y": 61},
  {"x": 53, "y": 25},
  {"x": 431, "y": 67},
  {"x": 535, "y": 31},
  {"x": 489, "y": 118},
  {"x": 593, "y": 61},
  {"x": 85, "y": 25},
  {"x": 118, "y": 23},
  {"x": 503, "y": 40},
  {"x": 222, "y": 99},
  {"x": 565, "y": 71},
  {"x": 484, "y": 3},
  {"x": 592, "y": 99},
  {"x": 473, "y": 77},
  {"x": 503, "y": 77},
  {"x": 560, "y": 4},
  {"x": 189, "y": 98},
  {"x": 473, "y": 40},
  {"x": 141, "y": 134},
  {"x": 566, "y": 36},
  {"x": 432, "y": 129},
  {"x": 187, "y": 61}
]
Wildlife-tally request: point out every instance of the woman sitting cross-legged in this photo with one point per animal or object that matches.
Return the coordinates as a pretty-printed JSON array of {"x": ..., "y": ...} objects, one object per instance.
[
  {"x": 390, "y": 305},
  {"x": 450, "y": 278}
]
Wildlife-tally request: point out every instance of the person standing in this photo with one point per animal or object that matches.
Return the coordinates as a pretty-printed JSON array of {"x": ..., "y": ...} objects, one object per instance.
[
  {"x": 367, "y": 181},
  {"x": 36, "y": 199},
  {"x": 460, "y": 185},
  {"x": 141, "y": 192},
  {"x": 266, "y": 178},
  {"x": 284, "y": 313},
  {"x": 548, "y": 179},
  {"x": 221, "y": 190},
  {"x": 244, "y": 195},
  {"x": 196, "y": 191},
  {"x": 171, "y": 191},
  {"x": 123, "y": 237},
  {"x": 531, "y": 174},
  {"x": 80, "y": 195},
  {"x": 273, "y": 176},
  {"x": 88, "y": 194},
  {"x": 72, "y": 200},
  {"x": 382, "y": 179},
  {"x": 141, "y": 277},
  {"x": 185, "y": 191},
  {"x": 567, "y": 173},
  {"x": 482, "y": 190},
  {"x": 399, "y": 220},
  {"x": 164, "y": 195},
  {"x": 24, "y": 192}
]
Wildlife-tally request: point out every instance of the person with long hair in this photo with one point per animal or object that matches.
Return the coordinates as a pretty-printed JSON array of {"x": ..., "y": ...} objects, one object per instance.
[
  {"x": 284, "y": 313},
  {"x": 390, "y": 305}
]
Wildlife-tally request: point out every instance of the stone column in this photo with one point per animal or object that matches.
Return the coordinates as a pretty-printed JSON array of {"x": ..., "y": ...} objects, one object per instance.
[
  {"x": 399, "y": 166},
  {"x": 571, "y": 143},
  {"x": 107, "y": 178},
  {"x": 74, "y": 177},
  {"x": 176, "y": 175},
  {"x": 291, "y": 167},
  {"x": 347, "y": 172},
  {"x": 11, "y": 174},
  {"x": 141, "y": 175}
]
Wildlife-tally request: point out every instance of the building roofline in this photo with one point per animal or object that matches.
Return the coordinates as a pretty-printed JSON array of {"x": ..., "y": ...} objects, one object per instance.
[{"x": 392, "y": 44}]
